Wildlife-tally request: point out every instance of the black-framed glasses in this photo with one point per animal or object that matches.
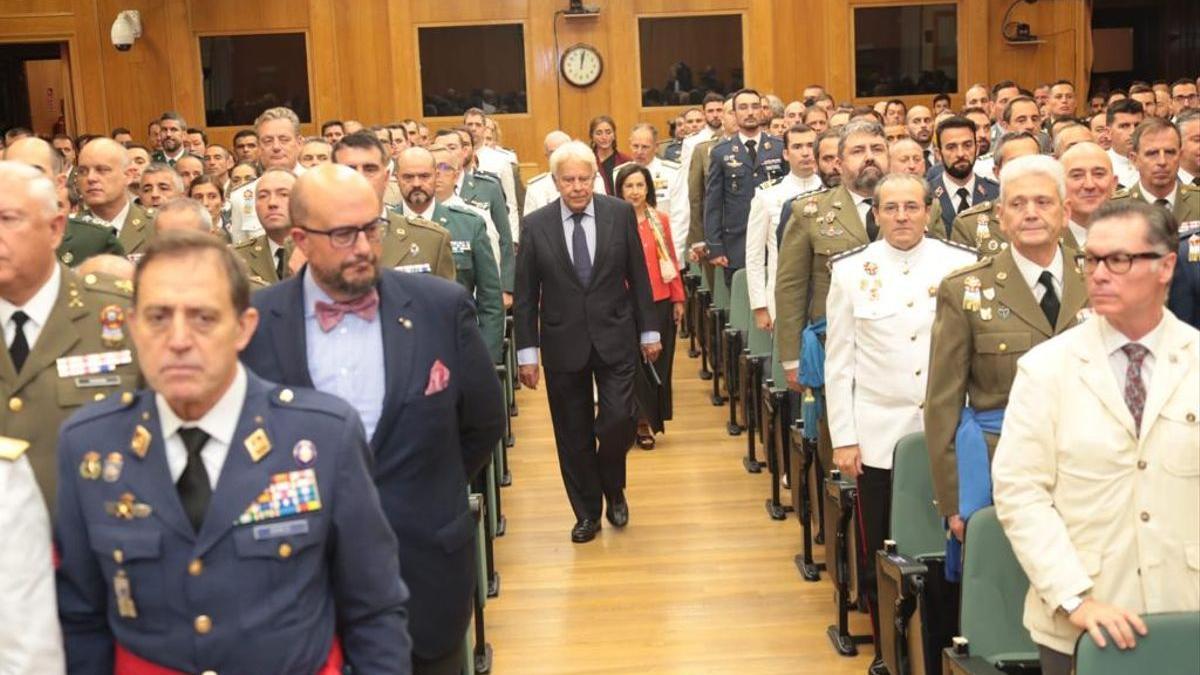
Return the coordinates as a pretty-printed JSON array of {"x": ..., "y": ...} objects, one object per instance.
[
  {"x": 1117, "y": 263},
  {"x": 344, "y": 237}
]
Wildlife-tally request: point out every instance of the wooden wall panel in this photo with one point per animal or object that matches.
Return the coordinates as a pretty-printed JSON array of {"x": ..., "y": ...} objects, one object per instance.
[{"x": 363, "y": 61}]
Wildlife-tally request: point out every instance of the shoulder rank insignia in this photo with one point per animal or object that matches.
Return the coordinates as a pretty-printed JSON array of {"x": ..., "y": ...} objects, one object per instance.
[
  {"x": 140, "y": 443},
  {"x": 257, "y": 444}
]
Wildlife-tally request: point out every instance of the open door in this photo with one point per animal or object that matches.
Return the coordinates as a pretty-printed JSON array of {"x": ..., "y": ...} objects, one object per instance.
[{"x": 36, "y": 88}]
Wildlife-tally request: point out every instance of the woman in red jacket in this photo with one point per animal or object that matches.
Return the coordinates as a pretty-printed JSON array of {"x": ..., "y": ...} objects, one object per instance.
[{"x": 652, "y": 387}]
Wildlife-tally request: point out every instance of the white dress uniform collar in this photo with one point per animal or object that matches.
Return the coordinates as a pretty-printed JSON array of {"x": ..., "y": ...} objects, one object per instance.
[
  {"x": 38, "y": 310},
  {"x": 802, "y": 184}
]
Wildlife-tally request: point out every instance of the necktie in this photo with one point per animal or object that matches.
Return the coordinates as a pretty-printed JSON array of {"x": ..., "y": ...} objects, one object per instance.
[
  {"x": 279, "y": 268},
  {"x": 1049, "y": 301},
  {"x": 963, "y": 195},
  {"x": 330, "y": 314},
  {"x": 1135, "y": 387},
  {"x": 194, "y": 489},
  {"x": 753, "y": 152},
  {"x": 580, "y": 258},
  {"x": 872, "y": 226},
  {"x": 1163, "y": 203},
  {"x": 19, "y": 349}
]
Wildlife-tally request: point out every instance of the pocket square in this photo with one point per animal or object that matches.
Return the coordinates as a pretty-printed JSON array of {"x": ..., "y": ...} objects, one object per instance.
[{"x": 439, "y": 378}]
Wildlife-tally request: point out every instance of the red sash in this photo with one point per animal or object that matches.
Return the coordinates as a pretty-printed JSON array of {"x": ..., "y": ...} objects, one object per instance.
[{"x": 128, "y": 663}]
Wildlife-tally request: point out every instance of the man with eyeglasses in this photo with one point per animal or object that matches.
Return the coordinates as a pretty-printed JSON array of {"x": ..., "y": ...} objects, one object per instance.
[
  {"x": 1183, "y": 97},
  {"x": 1096, "y": 479},
  {"x": 989, "y": 315},
  {"x": 411, "y": 242},
  {"x": 405, "y": 351},
  {"x": 879, "y": 317}
]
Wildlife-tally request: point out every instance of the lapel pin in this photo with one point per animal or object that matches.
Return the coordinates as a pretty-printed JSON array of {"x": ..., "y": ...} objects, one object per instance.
[
  {"x": 257, "y": 444},
  {"x": 404, "y": 321},
  {"x": 112, "y": 467},
  {"x": 140, "y": 443},
  {"x": 89, "y": 468},
  {"x": 304, "y": 452}
]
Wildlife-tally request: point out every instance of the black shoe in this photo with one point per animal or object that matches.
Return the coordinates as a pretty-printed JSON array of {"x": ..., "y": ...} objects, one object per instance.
[
  {"x": 618, "y": 513},
  {"x": 584, "y": 531},
  {"x": 878, "y": 667}
]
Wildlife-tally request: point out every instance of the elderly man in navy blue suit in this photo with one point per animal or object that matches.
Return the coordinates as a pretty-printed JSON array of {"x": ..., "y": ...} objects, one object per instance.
[
  {"x": 219, "y": 522},
  {"x": 953, "y": 181},
  {"x": 405, "y": 351}
]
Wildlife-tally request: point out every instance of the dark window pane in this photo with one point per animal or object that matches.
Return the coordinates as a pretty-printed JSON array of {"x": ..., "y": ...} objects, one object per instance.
[
  {"x": 684, "y": 58},
  {"x": 905, "y": 50},
  {"x": 472, "y": 67},
  {"x": 246, "y": 74}
]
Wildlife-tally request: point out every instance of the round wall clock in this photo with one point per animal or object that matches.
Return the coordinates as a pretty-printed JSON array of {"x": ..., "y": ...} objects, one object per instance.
[{"x": 581, "y": 65}]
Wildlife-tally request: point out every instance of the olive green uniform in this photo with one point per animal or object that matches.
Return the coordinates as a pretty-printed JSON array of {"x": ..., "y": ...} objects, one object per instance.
[
  {"x": 1187, "y": 200},
  {"x": 986, "y": 319},
  {"x": 477, "y": 270},
  {"x": 257, "y": 254},
  {"x": 979, "y": 228},
  {"x": 83, "y": 239},
  {"x": 38, "y": 399},
  {"x": 417, "y": 245},
  {"x": 136, "y": 231}
]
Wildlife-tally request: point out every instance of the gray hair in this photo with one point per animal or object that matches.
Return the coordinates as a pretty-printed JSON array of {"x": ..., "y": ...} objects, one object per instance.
[
  {"x": 869, "y": 127},
  {"x": 1009, "y": 137},
  {"x": 1162, "y": 230},
  {"x": 280, "y": 113},
  {"x": 893, "y": 178},
  {"x": 191, "y": 207},
  {"x": 558, "y": 137},
  {"x": 645, "y": 126},
  {"x": 1034, "y": 165},
  {"x": 775, "y": 104},
  {"x": 163, "y": 167},
  {"x": 1188, "y": 115},
  {"x": 32, "y": 182},
  {"x": 576, "y": 151}
]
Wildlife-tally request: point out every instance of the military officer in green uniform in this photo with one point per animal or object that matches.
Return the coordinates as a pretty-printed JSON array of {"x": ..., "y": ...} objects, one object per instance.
[
  {"x": 988, "y": 315},
  {"x": 64, "y": 336},
  {"x": 409, "y": 244},
  {"x": 1156, "y": 147},
  {"x": 979, "y": 226},
  {"x": 102, "y": 182},
  {"x": 268, "y": 255}
]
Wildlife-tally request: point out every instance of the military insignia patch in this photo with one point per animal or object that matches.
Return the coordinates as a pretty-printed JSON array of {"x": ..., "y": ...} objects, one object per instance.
[
  {"x": 1003, "y": 311},
  {"x": 989, "y": 293},
  {"x": 257, "y": 444},
  {"x": 287, "y": 494},
  {"x": 112, "y": 319},
  {"x": 810, "y": 207},
  {"x": 140, "y": 443},
  {"x": 985, "y": 313},
  {"x": 304, "y": 452},
  {"x": 127, "y": 508},
  {"x": 89, "y": 467},
  {"x": 112, "y": 467}
]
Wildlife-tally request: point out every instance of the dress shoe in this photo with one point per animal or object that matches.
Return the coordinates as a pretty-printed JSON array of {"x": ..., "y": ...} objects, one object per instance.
[
  {"x": 878, "y": 667},
  {"x": 618, "y": 513},
  {"x": 584, "y": 531}
]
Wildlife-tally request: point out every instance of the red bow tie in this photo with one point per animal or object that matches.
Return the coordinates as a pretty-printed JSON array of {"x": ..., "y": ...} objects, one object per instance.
[{"x": 329, "y": 314}]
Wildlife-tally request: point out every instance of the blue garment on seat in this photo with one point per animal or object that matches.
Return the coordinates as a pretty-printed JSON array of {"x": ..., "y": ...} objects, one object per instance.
[
  {"x": 812, "y": 375},
  {"x": 974, "y": 474}
]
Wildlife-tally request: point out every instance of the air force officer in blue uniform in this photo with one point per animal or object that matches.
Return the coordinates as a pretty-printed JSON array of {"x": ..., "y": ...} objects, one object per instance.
[
  {"x": 406, "y": 352},
  {"x": 737, "y": 167},
  {"x": 217, "y": 521}
]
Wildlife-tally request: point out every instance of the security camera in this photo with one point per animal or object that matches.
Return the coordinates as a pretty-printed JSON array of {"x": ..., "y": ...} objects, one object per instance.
[{"x": 126, "y": 29}]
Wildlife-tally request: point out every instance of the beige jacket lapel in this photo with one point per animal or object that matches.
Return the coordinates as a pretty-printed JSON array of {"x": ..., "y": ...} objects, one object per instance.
[
  {"x": 1177, "y": 347},
  {"x": 847, "y": 215},
  {"x": 1012, "y": 291},
  {"x": 1075, "y": 295},
  {"x": 1098, "y": 376},
  {"x": 59, "y": 334}
]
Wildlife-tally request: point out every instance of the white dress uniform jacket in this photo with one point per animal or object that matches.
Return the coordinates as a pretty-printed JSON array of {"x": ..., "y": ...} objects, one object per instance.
[
  {"x": 1089, "y": 505},
  {"x": 762, "y": 247},
  {"x": 880, "y": 311},
  {"x": 541, "y": 190},
  {"x": 679, "y": 193},
  {"x": 30, "y": 637},
  {"x": 499, "y": 163},
  {"x": 243, "y": 218}
]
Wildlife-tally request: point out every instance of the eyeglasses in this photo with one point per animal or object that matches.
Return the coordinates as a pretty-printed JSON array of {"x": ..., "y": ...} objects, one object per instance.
[
  {"x": 1117, "y": 263},
  {"x": 344, "y": 237}
]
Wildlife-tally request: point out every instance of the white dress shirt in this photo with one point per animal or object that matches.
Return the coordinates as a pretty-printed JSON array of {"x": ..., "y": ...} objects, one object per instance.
[
  {"x": 1079, "y": 232},
  {"x": 952, "y": 189},
  {"x": 1031, "y": 271},
  {"x": 427, "y": 214},
  {"x": 1186, "y": 177},
  {"x": 1151, "y": 199},
  {"x": 1114, "y": 340},
  {"x": 762, "y": 247},
  {"x": 220, "y": 423},
  {"x": 37, "y": 309},
  {"x": 861, "y": 205},
  {"x": 118, "y": 221}
]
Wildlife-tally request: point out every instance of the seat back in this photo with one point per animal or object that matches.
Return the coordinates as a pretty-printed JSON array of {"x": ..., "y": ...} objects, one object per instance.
[
  {"x": 778, "y": 376},
  {"x": 720, "y": 290},
  {"x": 694, "y": 268},
  {"x": 1171, "y": 646},
  {"x": 993, "y": 591},
  {"x": 758, "y": 341},
  {"x": 739, "y": 302},
  {"x": 916, "y": 527}
]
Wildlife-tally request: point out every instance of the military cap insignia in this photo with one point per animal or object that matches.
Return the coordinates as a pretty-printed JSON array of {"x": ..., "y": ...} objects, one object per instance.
[
  {"x": 971, "y": 300},
  {"x": 89, "y": 466},
  {"x": 257, "y": 444},
  {"x": 112, "y": 319},
  {"x": 111, "y": 472},
  {"x": 287, "y": 494},
  {"x": 140, "y": 443}
]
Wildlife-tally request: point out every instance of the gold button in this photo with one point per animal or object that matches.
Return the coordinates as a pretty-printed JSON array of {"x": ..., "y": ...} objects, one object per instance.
[
  {"x": 286, "y": 396},
  {"x": 90, "y": 279},
  {"x": 285, "y": 550},
  {"x": 1141, "y": 464},
  {"x": 98, "y": 397},
  {"x": 15, "y": 404},
  {"x": 1145, "y": 517},
  {"x": 1003, "y": 347},
  {"x": 126, "y": 397},
  {"x": 202, "y": 624},
  {"x": 118, "y": 556},
  {"x": 196, "y": 567}
]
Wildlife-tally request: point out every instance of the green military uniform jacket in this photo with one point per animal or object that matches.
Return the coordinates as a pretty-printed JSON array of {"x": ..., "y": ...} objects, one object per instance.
[
  {"x": 986, "y": 319},
  {"x": 697, "y": 178},
  {"x": 137, "y": 230},
  {"x": 484, "y": 191},
  {"x": 1187, "y": 200},
  {"x": 477, "y": 270},
  {"x": 88, "y": 318},
  {"x": 417, "y": 245},
  {"x": 979, "y": 228},
  {"x": 257, "y": 254},
  {"x": 84, "y": 239}
]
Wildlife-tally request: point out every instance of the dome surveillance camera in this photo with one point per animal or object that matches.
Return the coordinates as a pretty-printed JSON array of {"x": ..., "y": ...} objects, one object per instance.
[{"x": 126, "y": 29}]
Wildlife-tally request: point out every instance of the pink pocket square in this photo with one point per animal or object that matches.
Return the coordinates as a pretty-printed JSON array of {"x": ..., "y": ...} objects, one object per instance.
[{"x": 439, "y": 378}]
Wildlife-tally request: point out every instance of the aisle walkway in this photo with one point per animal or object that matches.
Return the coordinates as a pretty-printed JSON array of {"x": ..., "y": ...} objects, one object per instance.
[{"x": 701, "y": 581}]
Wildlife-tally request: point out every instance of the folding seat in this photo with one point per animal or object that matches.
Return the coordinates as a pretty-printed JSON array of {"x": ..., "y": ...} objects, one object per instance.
[
  {"x": 842, "y": 559},
  {"x": 734, "y": 338},
  {"x": 1172, "y": 645}
]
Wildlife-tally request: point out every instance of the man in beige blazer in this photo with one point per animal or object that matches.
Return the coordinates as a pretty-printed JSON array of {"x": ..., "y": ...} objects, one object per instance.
[{"x": 1097, "y": 474}]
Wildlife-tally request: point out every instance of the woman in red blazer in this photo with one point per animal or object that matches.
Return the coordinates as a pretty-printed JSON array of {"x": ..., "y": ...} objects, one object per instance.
[{"x": 652, "y": 387}]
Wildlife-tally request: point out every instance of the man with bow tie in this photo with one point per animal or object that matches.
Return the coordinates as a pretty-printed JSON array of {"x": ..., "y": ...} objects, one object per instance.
[{"x": 405, "y": 351}]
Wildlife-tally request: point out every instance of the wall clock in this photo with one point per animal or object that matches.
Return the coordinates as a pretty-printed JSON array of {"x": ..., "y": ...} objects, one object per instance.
[{"x": 581, "y": 65}]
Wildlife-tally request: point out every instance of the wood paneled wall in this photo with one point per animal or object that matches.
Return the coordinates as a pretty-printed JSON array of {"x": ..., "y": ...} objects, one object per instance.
[{"x": 364, "y": 63}]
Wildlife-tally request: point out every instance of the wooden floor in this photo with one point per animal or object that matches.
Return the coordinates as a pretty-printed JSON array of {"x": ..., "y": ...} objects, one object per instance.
[{"x": 701, "y": 581}]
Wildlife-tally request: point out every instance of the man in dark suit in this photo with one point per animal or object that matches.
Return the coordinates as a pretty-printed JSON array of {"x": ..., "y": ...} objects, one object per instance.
[
  {"x": 953, "y": 181},
  {"x": 583, "y": 296},
  {"x": 1184, "y": 298},
  {"x": 405, "y": 351}
]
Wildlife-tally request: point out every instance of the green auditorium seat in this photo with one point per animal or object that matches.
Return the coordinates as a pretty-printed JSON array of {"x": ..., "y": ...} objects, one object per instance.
[
  {"x": 1172, "y": 645},
  {"x": 740, "y": 320}
]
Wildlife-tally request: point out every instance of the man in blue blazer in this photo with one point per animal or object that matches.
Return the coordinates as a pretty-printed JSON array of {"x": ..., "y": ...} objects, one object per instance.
[
  {"x": 406, "y": 352},
  {"x": 953, "y": 181},
  {"x": 1184, "y": 299}
]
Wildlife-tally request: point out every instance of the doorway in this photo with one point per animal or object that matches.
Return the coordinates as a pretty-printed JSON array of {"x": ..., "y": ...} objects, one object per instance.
[{"x": 35, "y": 88}]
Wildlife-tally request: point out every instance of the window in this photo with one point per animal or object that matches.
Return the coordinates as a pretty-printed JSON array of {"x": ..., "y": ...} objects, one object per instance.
[
  {"x": 684, "y": 58},
  {"x": 905, "y": 50},
  {"x": 246, "y": 74},
  {"x": 472, "y": 67}
]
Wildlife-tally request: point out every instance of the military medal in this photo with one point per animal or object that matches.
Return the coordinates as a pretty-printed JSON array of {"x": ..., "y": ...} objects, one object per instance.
[
  {"x": 992, "y": 245},
  {"x": 1194, "y": 248},
  {"x": 112, "y": 318},
  {"x": 127, "y": 508},
  {"x": 112, "y": 467},
  {"x": 810, "y": 207},
  {"x": 89, "y": 468},
  {"x": 989, "y": 293},
  {"x": 257, "y": 444},
  {"x": 985, "y": 313},
  {"x": 140, "y": 443},
  {"x": 982, "y": 231},
  {"x": 1003, "y": 311},
  {"x": 304, "y": 452},
  {"x": 971, "y": 301},
  {"x": 287, "y": 494},
  {"x": 124, "y": 594},
  {"x": 414, "y": 249}
]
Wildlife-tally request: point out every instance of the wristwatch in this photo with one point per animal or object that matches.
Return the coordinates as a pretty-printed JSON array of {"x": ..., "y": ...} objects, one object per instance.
[{"x": 1071, "y": 604}]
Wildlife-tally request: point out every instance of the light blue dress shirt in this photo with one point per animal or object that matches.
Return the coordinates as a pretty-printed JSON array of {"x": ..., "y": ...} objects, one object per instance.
[
  {"x": 348, "y": 360},
  {"x": 529, "y": 356}
]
